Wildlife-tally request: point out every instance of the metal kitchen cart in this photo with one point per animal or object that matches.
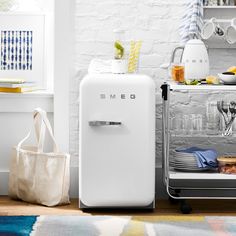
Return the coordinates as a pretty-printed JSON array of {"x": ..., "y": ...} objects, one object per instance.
[{"x": 181, "y": 186}]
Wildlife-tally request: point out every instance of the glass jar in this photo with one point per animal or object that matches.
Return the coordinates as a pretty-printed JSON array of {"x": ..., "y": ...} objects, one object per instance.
[
  {"x": 119, "y": 63},
  {"x": 227, "y": 164},
  {"x": 177, "y": 72},
  {"x": 120, "y": 49}
]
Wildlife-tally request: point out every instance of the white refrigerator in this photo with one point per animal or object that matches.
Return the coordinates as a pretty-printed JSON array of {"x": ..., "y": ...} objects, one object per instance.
[{"x": 117, "y": 141}]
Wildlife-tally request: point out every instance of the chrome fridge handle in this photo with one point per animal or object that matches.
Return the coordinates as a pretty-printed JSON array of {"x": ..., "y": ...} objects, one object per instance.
[{"x": 103, "y": 123}]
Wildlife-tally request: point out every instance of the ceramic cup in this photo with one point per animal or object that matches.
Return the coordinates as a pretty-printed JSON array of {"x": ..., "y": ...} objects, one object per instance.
[
  {"x": 230, "y": 34},
  {"x": 211, "y": 28}
]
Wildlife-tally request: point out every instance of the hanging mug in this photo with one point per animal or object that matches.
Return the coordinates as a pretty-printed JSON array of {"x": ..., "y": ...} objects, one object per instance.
[
  {"x": 230, "y": 34},
  {"x": 211, "y": 28}
]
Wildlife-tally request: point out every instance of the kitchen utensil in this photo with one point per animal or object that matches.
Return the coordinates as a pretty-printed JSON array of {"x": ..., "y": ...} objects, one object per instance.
[
  {"x": 228, "y": 78},
  {"x": 220, "y": 109},
  {"x": 225, "y": 109},
  {"x": 230, "y": 35},
  {"x": 211, "y": 28},
  {"x": 232, "y": 109},
  {"x": 228, "y": 112},
  {"x": 195, "y": 58}
]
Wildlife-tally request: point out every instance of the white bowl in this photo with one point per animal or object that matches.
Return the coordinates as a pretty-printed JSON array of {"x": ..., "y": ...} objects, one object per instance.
[{"x": 227, "y": 79}]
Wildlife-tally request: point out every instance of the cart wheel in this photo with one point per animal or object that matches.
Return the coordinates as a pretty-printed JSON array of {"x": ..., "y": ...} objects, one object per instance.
[
  {"x": 174, "y": 201},
  {"x": 177, "y": 191},
  {"x": 185, "y": 208}
]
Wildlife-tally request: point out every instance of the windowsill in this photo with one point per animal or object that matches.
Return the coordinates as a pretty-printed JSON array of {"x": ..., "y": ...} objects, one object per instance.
[
  {"x": 34, "y": 94},
  {"x": 26, "y": 102}
]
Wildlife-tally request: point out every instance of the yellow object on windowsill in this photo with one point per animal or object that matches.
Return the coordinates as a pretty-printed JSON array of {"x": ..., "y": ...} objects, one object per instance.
[
  {"x": 18, "y": 90},
  {"x": 11, "y": 80}
]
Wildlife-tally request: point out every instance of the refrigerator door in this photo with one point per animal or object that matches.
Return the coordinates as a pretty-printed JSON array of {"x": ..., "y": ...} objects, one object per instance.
[{"x": 117, "y": 141}]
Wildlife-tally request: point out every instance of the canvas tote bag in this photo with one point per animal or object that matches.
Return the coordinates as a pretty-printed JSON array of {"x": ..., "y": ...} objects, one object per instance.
[{"x": 36, "y": 176}]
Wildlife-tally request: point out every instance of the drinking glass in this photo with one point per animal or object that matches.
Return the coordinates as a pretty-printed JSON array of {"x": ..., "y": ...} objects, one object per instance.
[
  {"x": 195, "y": 124},
  {"x": 212, "y": 118},
  {"x": 186, "y": 124},
  {"x": 177, "y": 72},
  {"x": 177, "y": 124}
]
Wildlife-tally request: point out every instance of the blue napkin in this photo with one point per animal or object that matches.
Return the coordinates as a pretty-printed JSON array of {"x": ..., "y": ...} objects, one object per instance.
[{"x": 205, "y": 157}]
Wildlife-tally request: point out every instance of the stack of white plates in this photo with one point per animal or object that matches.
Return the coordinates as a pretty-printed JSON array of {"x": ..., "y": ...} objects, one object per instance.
[{"x": 185, "y": 162}]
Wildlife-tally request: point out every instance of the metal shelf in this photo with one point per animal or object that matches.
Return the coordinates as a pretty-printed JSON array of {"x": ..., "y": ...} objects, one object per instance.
[
  {"x": 200, "y": 176},
  {"x": 201, "y": 135},
  {"x": 181, "y": 87},
  {"x": 219, "y": 7}
]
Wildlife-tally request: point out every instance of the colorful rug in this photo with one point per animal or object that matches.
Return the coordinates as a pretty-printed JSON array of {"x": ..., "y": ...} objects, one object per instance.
[{"x": 117, "y": 225}]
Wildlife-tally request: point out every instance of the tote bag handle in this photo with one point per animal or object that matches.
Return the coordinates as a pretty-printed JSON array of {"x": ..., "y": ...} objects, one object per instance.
[
  {"x": 38, "y": 112},
  {"x": 40, "y": 116},
  {"x": 39, "y": 126}
]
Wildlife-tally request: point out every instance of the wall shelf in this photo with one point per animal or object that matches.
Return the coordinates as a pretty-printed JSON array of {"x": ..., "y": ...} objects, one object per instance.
[
  {"x": 224, "y": 15},
  {"x": 219, "y": 7},
  {"x": 202, "y": 135},
  {"x": 219, "y": 12}
]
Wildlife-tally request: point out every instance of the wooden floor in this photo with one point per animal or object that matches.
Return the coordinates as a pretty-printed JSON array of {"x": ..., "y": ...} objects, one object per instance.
[{"x": 163, "y": 207}]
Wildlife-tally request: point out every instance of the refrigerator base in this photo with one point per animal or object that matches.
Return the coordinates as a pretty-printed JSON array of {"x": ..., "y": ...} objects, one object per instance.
[{"x": 82, "y": 206}]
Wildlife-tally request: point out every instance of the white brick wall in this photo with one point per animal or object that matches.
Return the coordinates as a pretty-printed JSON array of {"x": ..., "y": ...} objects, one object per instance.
[{"x": 153, "y": 21}]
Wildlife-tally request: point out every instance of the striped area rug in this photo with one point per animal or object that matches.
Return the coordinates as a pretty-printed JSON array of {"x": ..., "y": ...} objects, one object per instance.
[{"x": 117, "y": 225}]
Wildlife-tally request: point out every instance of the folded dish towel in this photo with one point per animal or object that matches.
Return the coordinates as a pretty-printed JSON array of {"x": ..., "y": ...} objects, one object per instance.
[
  {"x": 99, "y": 66},
  {"x": 205, "y": 157},
  {"x": 192, "y": 20}
]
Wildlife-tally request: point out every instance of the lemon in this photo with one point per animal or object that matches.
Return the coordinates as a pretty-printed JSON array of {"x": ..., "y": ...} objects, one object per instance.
[
  {"x": 232, "y": 69},
  {"x": 191, "y": 82},
  {"x": 211, "y": 79},
  {"x": 119, "y": 53}
]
